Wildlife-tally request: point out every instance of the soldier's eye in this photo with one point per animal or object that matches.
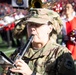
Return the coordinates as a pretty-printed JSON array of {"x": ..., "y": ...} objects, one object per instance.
[
  {"x": 37, "y": 25},
  {"x": 34, "y": 25}
]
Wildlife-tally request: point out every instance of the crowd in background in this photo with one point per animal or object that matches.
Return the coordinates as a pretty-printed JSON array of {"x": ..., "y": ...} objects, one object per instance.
[
  {"x": 13, "y": 13},
  {"x": 6, "y": 8},
  {"x": 8, "y": 16},
  {"x": 58, "y": 6}
]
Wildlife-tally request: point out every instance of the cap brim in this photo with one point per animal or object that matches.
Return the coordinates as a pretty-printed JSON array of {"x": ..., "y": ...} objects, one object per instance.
[{"x": 37, "y": 20}]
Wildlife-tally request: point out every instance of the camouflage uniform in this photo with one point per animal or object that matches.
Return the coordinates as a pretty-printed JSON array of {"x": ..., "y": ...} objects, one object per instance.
[
  {"x": 19, "y": 30},
  {"x": 53, "y": 59}
]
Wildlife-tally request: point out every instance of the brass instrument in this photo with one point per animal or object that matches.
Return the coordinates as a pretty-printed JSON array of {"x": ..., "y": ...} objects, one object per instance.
[
  {"x": 35, "y": 4},
  {"x": 39, "y": 4}
]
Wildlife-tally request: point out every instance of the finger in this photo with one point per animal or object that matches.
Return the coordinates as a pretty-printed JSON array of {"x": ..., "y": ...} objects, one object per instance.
[
  {"x": 15, "y": 70},
  {"x": 19, "y": 60},
  {"x": 18, "y": 69}
]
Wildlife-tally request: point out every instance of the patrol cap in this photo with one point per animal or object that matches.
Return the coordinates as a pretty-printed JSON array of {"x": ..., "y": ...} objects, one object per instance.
[{"x": 44, "y": 15}]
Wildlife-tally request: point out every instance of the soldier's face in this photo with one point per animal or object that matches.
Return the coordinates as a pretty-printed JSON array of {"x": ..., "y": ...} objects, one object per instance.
[{"x": 41, "y": 32}]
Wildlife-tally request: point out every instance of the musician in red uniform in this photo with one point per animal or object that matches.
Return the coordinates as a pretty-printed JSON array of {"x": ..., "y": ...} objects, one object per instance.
[{"x": 69, "y": 29}]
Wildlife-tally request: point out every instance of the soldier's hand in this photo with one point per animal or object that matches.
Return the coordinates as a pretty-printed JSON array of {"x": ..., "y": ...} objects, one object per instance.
[{"x": 22, "y": 68}]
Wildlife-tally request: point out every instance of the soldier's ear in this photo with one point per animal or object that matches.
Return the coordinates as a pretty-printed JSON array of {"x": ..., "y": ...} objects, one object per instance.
[{"x": 50, "y": 28}]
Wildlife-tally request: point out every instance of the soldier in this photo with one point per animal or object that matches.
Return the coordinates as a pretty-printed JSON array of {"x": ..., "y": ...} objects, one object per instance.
[{"x": 45, "y": 56}]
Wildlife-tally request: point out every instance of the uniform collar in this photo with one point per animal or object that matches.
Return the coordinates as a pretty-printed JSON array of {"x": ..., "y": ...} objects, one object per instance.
[
  {"x": 69, "y": 19},
  {"x": 42, "y": 52}
]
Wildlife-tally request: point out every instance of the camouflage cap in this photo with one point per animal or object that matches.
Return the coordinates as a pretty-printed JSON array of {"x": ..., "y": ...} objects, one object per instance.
[{"x": 43, "y": 15}]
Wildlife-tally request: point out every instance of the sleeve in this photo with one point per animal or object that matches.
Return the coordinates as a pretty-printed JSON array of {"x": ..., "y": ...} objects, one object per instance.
[
  {"x": 61, "y": 64},
  {"x": 65, "y": 65}
]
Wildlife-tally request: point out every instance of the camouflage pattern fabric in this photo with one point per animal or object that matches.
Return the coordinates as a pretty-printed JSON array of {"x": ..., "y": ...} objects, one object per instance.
[
  {"x": 43, "y": 15},
  {"x": 53, "y": 59},
  {"x": 19, "y": 31}
]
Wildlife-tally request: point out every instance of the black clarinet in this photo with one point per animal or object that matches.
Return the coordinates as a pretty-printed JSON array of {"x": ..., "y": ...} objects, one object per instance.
[
  {"x": 22, "y": 52},
  {"x": 25, "y": 48}
]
